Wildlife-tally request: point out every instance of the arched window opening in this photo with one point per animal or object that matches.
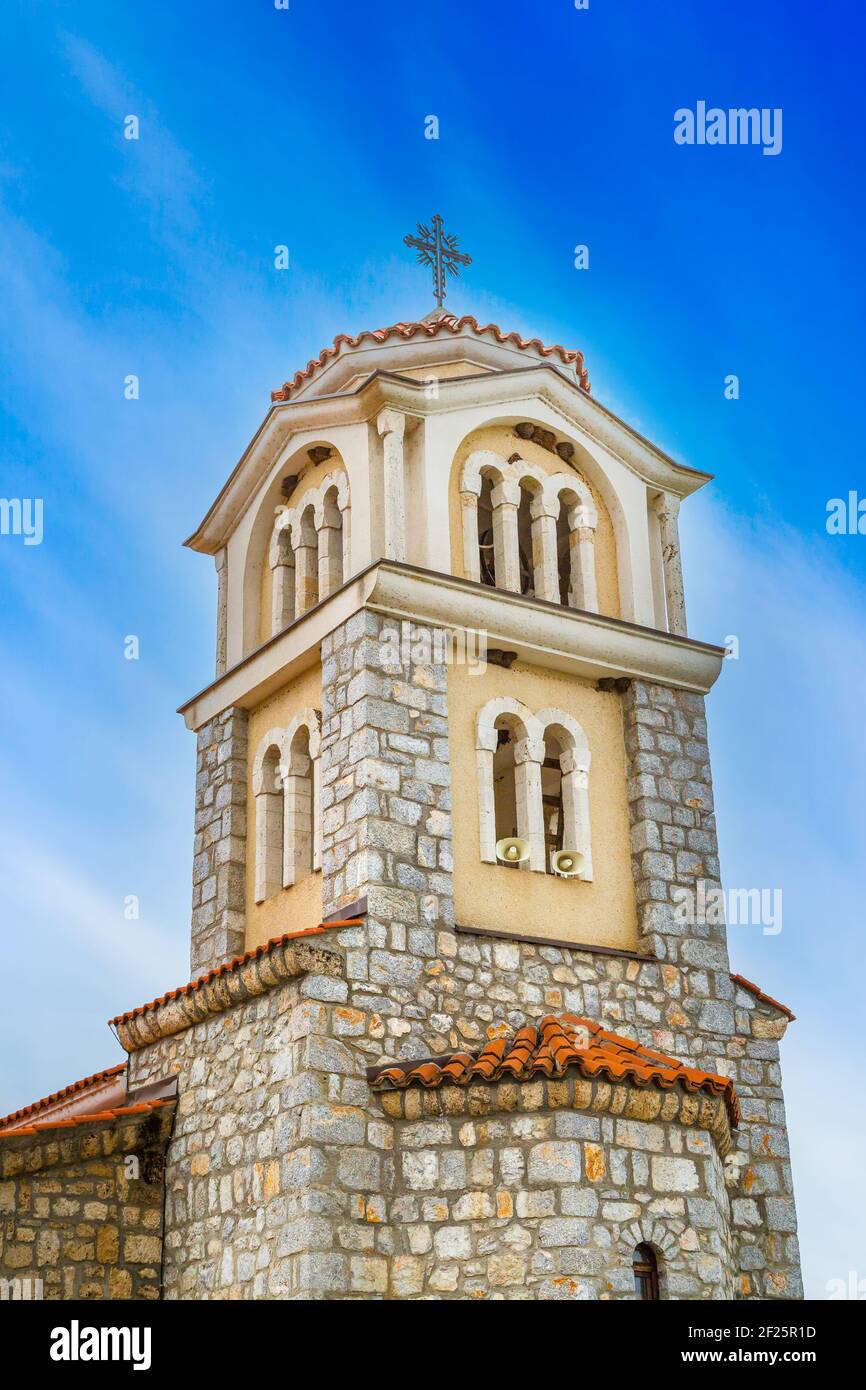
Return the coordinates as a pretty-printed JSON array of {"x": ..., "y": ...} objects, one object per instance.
[
  {"x": 525, "y": 542},
  {"x": 646, "y": 1273},
  {"x": 486, "y": 562},
  {"x": 268, "y": 788},
  {"x": 551, "y": 801},
  {"x": 563, "y": 553},
  {"x": 504, "y": 785},
  {"x": 306, "y": 563}
]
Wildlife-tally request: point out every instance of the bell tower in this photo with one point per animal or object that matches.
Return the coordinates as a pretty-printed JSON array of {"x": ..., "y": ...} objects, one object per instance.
[{"x": 457, "y": 732}]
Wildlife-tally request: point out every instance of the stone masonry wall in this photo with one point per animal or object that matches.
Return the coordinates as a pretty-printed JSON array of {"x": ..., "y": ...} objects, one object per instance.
[
  {"x": 296, "y": 1101},
  {"x": 76, "y": 1214},
  {"x": 427, "y": 988},
  {"x": 219, "y": 861},
  {"x": 550, "y": 1205}
]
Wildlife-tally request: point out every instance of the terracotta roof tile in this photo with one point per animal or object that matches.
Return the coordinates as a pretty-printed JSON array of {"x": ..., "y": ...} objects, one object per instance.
[
  {"x": 549, "y": 1049},
  {"x": 76, "y": 1090},
  {"x": 448, "y": 323},
  {"x": 234, "y": 964},
  {"x": 95, "y": 1117},
  {"x": 764, "y": 998}
]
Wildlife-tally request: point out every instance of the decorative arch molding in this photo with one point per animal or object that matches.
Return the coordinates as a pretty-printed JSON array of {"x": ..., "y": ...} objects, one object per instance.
[
  {"x": 529, "y": 754},
  {"x": 548, "y": 491},
  {"x": 287, "y": 795},
  {"x": 662, "y": 1234}
]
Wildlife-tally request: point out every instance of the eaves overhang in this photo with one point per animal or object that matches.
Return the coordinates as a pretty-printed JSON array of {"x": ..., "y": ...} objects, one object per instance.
[{"x": 588, "y": 645}]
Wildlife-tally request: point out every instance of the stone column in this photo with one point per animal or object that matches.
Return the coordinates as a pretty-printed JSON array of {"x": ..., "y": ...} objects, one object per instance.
[
  {"x": 219, "y": 865},
  {"x": 575, "y": 810},
  {"x": 667, "y": 509},
  {"x": 306, "y": 566},
  {"x": 545, "y": 561},
  {"x": 391, "y": 426},
  {"x": 583, "y": 591},
  {"x": 470, "y": 491},
  {"x": 505, "y": 499},
  {"x": 282, "y": 563},
  {"x": 330, "y": 558},
  {"x": 528, "y": 758},
  {"x": 221, "y": 562}
]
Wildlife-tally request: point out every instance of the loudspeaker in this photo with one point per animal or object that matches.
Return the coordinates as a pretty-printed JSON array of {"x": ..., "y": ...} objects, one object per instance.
[
  {"x": 512, "y": 850},
  {"x": 566, "y": 863}
]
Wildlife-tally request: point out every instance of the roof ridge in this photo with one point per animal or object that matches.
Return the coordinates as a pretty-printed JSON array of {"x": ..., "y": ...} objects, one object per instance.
[{"x": 409, "y": 329}]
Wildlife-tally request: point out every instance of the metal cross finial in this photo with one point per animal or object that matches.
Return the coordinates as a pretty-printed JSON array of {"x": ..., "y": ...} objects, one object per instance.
[{"x": 435, "y": 248}]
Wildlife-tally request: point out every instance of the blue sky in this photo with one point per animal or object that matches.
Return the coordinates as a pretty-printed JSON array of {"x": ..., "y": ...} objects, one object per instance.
[{"x": 155, "y": 257}]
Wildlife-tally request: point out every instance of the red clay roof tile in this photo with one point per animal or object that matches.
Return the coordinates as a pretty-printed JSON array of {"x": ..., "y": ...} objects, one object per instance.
[
  {"x": 549, "y": 1049},
  {"x": 430, "y": 330},
  {"x": 95, "y": 1117},
  {"x": 76, "y": 1089}
]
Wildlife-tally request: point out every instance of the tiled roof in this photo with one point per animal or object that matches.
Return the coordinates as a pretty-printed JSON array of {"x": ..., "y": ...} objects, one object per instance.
[
  {"x": 549, "y": 1049},
  {"x": 569, "y": 356},
  {"x": 764, "y": 998},
  {"x": 227, "y": 968},
  {"x": 120, "y": 1112},
  {"x": 75, "y": 1093}
]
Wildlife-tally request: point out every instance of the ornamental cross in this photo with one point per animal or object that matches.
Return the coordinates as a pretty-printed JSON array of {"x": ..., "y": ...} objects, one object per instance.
[{"x": 438, "y": 250}]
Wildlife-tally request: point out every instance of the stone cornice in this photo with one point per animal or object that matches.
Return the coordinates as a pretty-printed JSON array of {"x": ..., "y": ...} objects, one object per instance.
[
  {"x": 545, "y": 634},
  {"x": 382, "y": 389},
  {"x": 627, "y": 1099},
  {"x": 248, "y": 976}
]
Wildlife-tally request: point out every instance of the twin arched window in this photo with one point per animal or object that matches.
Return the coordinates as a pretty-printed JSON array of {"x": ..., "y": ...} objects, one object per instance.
[
  {"x": 528, "y": 531},
  {"x": 309, "y": 550},
  {"x": 287, "y": 799},
  {"x": 533, "y": 782}
]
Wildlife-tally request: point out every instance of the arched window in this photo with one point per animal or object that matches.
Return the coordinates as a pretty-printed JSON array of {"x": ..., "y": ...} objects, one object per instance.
[
  {"x": 486, "y": 566},
  {"x": 504, "y": 788},
  {"x": 567, "y": 763},
  {"x": 551, "y": 799},
  {"x": 533, "y": 781},
  {"x": 645, "y": 1267},
  {"x": 528, "y": 551},
  {"x": 528, "y": 531},
  {"x": 286, "y": 789}
]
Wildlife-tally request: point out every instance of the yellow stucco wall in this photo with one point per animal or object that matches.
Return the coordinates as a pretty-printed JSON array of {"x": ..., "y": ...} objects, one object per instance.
[
  {"x": 307, "y": 484},
  {"x": 601, "y": 913},
  {"x": 300, "y": 906},
  {"x": 505, "y": 442}
]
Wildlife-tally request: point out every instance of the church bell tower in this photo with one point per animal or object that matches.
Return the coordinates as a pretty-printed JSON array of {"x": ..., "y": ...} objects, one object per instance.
[{"x": 453, "y": 1029}]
